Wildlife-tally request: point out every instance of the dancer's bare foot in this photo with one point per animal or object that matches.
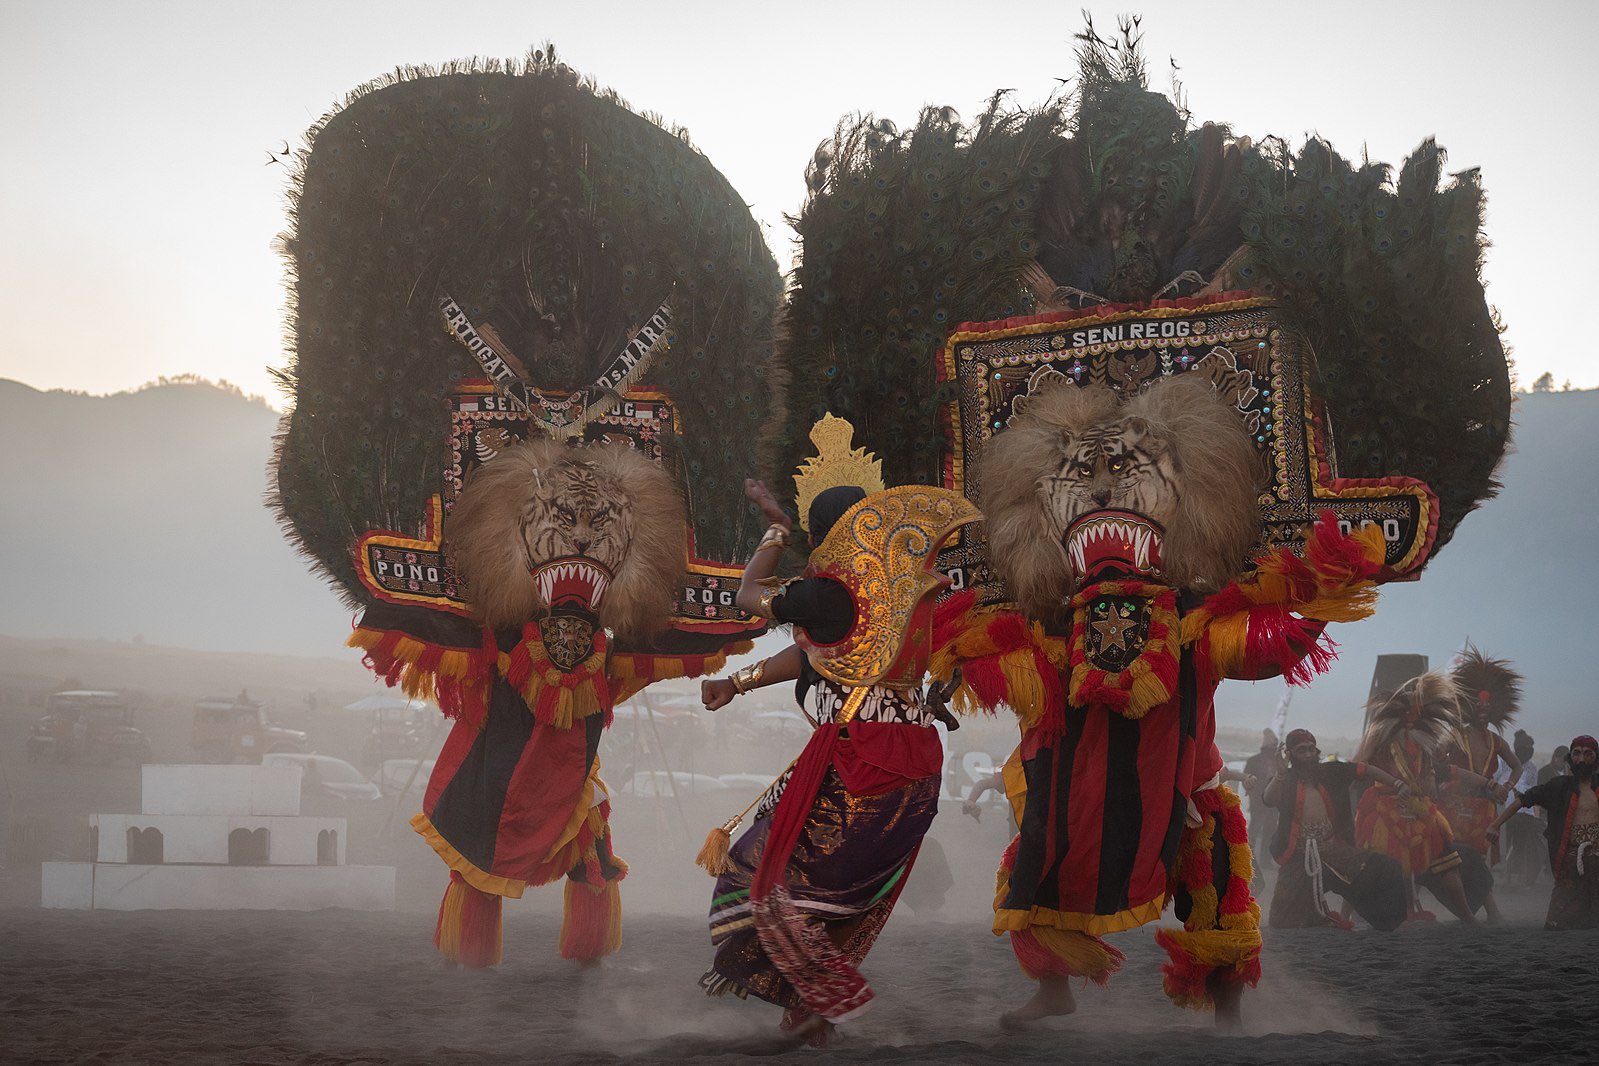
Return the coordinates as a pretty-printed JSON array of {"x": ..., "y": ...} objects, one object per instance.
[
  {"x": 1053, "y": 999},
  {"x": 1228, "y": 996},
  {"x": 813, "y": 1029}
]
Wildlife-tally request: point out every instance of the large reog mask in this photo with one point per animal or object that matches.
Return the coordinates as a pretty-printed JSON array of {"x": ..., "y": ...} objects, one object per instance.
[
  {"x": 544, "y": 524},
  {"x": 1164, "y": 481}
]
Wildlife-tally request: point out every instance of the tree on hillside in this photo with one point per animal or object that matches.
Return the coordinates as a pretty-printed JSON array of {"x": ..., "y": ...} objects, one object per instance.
[{"x": 1545, "y": 382}]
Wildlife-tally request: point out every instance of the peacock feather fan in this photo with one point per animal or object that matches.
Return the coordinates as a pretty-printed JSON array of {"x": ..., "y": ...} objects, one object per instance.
[
  {"x": 1117, "y": 196},
  {"x": 1490, "y": 689},
  {"x": 1138, "y": 205},
  {"x": 904, "y": 234},
  {"x": 1383, "y": 277},
  {"x": 546, "y": 207}
]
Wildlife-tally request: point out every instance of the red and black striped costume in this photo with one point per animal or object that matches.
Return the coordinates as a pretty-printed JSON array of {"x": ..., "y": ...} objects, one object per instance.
[
  {"x": 515, "y": 798},
  {"x": 1121, "y": 809}
]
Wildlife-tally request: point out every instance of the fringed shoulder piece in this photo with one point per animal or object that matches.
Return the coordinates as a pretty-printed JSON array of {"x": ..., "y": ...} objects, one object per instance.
[
  {"x": 1003, "y": 658},
  {"x": 632, "y": 672},
  {"x": 1274, "y": 618},
  {"x": 429, "y": 655}
]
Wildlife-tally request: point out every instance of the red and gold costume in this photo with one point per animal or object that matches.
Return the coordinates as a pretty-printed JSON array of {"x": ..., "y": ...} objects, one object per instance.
[
  {"x": 806, "y": 890},
  {"x": 1120, "y": 803},
  {"x": 515, "y": 799},
  {"x": 1468, "y": 808},
  {"x": 1412, "y": 828},
  {"x": 1490, "y": 698}
]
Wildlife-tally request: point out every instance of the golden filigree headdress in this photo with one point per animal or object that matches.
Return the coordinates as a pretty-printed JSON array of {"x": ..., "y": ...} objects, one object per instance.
[{"x": 835, "y": 463}]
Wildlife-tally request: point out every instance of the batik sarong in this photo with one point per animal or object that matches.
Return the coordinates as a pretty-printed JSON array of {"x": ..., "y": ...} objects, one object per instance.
[{"x": 802, "y": 946}]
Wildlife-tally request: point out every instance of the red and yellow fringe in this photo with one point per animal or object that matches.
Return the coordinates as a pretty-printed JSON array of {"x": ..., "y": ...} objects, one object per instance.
[
  {"x": 1221, "y": 937},
  {"x": 591, "y": 922},
  {"x": 557, "y": 697},
  {"x": 1003, "y": 659},
  {"x": 1251, "y": 624},
  {"x": 457, "y": 678},
  {"x": 1149, "y": 680},
  {"x": 632, "y": 671},
  {"x": 468, "y": 929},
  {"x": 1043, "y": 951}
]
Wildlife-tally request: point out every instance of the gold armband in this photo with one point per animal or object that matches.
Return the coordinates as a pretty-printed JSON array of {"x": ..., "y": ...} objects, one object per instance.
[
  {"x": 774, "y": 588},
  {"x": 776, "y": 537},
  {"x": 748, "y": 677}
]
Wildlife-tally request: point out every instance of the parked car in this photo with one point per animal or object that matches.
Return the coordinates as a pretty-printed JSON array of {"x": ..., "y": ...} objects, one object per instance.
[
  {"x": 236, "y": 730},
  {"x": 83, "y": 726},
  {"x": 398, "y": 731},
  {"x": 404, "y": 775},
  {"x": 324, "y": 778}
]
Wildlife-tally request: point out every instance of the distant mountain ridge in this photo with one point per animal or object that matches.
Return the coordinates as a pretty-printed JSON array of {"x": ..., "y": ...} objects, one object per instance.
[{"x": 141, "y": 513}]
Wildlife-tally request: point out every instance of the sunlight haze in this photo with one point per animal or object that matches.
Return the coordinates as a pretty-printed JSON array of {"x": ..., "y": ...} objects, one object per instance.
[{"x": 140, "y": 201}]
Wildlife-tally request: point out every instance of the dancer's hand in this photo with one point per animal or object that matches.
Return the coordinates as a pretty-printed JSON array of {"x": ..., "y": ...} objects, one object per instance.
[
  {"x": 1493, "y": 836},
  {"x": 716, "y": 693},
  {"x": 971, "y": 807},
  {"x": 762, "y": 497}
]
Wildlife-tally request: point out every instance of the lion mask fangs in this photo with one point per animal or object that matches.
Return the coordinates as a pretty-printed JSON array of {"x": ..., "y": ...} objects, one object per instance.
[
  {"x": 543, "y": 510},
  {"x": 1172, "y": 461}
]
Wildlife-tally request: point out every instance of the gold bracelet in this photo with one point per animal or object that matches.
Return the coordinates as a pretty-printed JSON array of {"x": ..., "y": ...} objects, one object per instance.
[
  {"x": 776, "y": 536},
  {"x": 748, "y": 677}
]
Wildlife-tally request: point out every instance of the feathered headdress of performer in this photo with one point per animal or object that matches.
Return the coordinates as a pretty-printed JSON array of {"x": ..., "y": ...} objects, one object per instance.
[
  {"x": 1111, "y": 199},
  {"x": 1490, "y": 691},
  {"x": 517, "y": 223},
  {"x": 1425, "y": 709}
]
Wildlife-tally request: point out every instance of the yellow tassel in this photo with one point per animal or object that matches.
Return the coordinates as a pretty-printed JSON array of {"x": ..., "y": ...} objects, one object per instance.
[
  {"x": 1147, "y": 692},
  {"x": 1218, "y": 947},
  {"x": 449, "y": 930},
  {"x": 365, "y": 639},
  {"x": 1085, "y": 955},
  {"x": 713, "y": 853}
]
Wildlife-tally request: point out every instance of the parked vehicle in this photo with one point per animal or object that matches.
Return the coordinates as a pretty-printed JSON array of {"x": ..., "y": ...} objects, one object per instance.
[
  {"x": 397, "y": 732},
  {"x": 409, "y": 776},
  {"x": 236, "y": 730},
  {"x": 92, "y": 727},
  {"x": 324, "y": 778}
]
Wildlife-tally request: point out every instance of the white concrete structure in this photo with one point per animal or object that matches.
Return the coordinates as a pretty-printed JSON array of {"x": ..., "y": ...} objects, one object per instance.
[
  {"x": 203, "y": 838},
  {"x": 217, "y": 838},
  {"x": 119, "y": 887}
]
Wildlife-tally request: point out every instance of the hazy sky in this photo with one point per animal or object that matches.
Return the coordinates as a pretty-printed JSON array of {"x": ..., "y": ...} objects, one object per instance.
[{"x": 137, "y": 208}]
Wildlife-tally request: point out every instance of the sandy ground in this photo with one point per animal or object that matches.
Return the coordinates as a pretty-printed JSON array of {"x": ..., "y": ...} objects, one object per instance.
[
  {"x": 344, "y": 987},
  {"x": 348, "y": 987}
]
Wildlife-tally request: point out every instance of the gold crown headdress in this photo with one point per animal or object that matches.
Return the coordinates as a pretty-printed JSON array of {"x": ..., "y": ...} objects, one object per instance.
[{"x": 835, "y": 463}]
